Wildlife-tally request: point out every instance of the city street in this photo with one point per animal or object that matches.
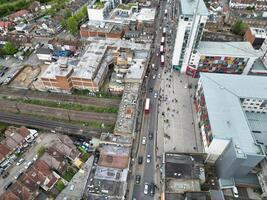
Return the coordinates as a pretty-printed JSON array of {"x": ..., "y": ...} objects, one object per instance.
[{"x": 150, "y": 171}]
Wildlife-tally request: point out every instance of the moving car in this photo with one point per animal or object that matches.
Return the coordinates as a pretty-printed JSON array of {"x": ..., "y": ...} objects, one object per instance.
[
  {"x": 150, "y": 135},
  {"x": 152, "y": 189},
  {"x": 144, "y": 140},
  {"x": 151, "y": 89},
  {"x": 159, "y": 76},
  {"x": 156, "y": 95},
  {"x": 137, "y": 179},
  {"x": 154, "y": 77},
  {"x": 146, "y": 188},
  {"x": 148, "y": 158}
]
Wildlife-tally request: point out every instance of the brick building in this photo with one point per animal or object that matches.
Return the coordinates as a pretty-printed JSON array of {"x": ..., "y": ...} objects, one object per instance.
[{"x": 255, "y": 36}]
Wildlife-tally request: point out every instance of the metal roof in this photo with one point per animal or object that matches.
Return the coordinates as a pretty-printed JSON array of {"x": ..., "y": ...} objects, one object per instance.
[
  {"x": 226, "y": 115},
  {"x": 232, "y": 49},
  {"x": 187, "y": 7}
]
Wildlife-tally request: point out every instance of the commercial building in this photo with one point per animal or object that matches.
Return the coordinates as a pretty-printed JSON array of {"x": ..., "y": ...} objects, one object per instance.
[
  {"x": 231, "y": 112},
  {"x": 87, "y": 73},
  {"x": 255, "y": 36},
  {"x": 192, "y": 18},
  {"x": 222, "y": 57}
]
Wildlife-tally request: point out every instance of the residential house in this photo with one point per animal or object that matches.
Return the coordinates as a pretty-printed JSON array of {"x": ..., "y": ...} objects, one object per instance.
[
  {"x": 28, "y": 182},
  {"x": 21, "y": 191},
  {"x": 55, "y": 160},
  {"x": 12, "y": 133},
  {"x": 65, "y": 145},
  {"x": 10, "y": 143},
  {"x": 50, "y": 177},
  {"x": 4, "y": 25},
  {"x": 44, "y": 53},
  {"x": 4, "y": 152},
  {"x": 9, "y": 196},
  {"x": 17, "y": 15}
]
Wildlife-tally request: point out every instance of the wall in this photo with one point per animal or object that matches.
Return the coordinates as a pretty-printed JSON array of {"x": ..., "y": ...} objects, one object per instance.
[{"x": 216, "y": 148}]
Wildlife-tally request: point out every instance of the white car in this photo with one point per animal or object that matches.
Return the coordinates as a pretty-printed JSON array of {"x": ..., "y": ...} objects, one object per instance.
[
  {"x": 154, "y": 77},
  {"x": 156, "y": 95},
  {"x": 146, "y": 188},
  {"x": 235, "y": 192},
  {"x": 144, "y": 140},
  {"x": 35, "y": 157},
  {"x": 28, "y": 165},
  {"x": 158, "y": 76},
  {"x": 148, "y": 158},
  {"x": 20, "y": 161}
]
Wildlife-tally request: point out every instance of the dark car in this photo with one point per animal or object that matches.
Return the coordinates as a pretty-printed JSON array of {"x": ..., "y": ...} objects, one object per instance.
[
  {"x": 151, "y": 89},
  {"x": 152, "y": 189},
  {"x": 5, "y": 174},
  {"x": 150, "y": 135},
  {"x": 140, "y": 160},
  {"x": 137, "y": 179},
  {"x": 8, "y": 185}
]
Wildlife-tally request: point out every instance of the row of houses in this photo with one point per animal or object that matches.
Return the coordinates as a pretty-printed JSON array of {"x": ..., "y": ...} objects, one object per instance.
[
  {"x": 16, "y": 139},
  {"x": 45, "y": 172}
]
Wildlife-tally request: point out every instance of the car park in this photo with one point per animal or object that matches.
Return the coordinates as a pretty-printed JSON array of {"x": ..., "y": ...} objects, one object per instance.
[
  {"x": 144, "y": 140},
  {"x": 140, "y": 160},
  {"x": 146, "y": 188},
  {"x": 137, "y": 179},
  {"x": 148, "y": 158},
  {"x": 20, "y": 161}
]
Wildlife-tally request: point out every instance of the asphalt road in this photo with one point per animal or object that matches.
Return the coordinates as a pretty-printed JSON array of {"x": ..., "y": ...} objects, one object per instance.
[
  {"x": 58, "y": 97},
  {"x": 60, "y": 127},
  {"x": 148, "y": 171}
]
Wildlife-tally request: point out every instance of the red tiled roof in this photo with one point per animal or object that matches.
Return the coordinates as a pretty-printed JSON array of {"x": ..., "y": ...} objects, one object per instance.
[
  {"x": 36, "y": 176},
  {"x": 5, "y": 24},
  {"x": 4, "y": 150},
  {"x": 20, "y": 191},
  {"x": 19, "y": 13},
  {"x": 28, "y": 182},
  {"x": 42, "y": 167},
  {"x": 52, "y": 182},
  {"x": 114, "y": 161},
  {"x": 9, "y": 196},
  {"x": 23, "y": 131}
]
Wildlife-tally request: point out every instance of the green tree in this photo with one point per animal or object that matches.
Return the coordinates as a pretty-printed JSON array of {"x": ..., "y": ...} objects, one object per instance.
[
  {"x": 10, "y": 48},
  {"x": 63, "y": 23},
  {"x": 239, "y": 28},
  {"x": 84, "y": 11},
  {"x": 72, "y": 25},
  {"x": 68, "y": 13}
]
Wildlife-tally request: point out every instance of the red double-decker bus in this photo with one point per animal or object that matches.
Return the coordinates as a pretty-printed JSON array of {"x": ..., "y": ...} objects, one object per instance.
[{"x": 147, "y": 105}]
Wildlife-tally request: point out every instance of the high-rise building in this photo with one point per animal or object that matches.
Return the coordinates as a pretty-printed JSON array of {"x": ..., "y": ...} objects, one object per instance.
[{"x": 192, "y": 19}]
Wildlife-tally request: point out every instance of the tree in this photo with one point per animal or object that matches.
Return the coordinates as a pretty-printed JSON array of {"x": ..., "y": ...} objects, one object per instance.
[
  {"x": 72, "y": 25},
  {"x": 10, "y": 48},
  {"x": 68, "y": 13},
  {"x": 84, "y": 11},
  {"x": 239, "y": 28}
]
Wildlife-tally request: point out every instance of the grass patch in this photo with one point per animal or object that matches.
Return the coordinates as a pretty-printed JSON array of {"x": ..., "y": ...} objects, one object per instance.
[
  {"x": 99, "y": 5},
  {"x": 82, "y": 150},
  {"x": 40, "y": 151},
  {"x": 127, "y": 6},
  {"x": 69, "y": 174},
  {"x": 69, "y": 106},
  {"x": 85, "y": 157},
  {"x": 3, "y": 127},
  {"x": 59, "y": 185}
]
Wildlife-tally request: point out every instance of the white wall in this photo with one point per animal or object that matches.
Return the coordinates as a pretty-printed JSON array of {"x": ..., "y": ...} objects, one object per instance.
[{"x": 216, "y": 148}]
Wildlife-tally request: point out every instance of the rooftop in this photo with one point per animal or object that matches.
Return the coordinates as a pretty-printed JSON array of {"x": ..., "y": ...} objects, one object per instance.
[
  {"x": 111, "y": 174},
  {"x": 232, "y": 49},
  {"x": 118, "y": 139},
  {"x": 226, "y": 115},
  {"x": 107, "y": 27},
  {"x": 258, "y": 32},
  {"x": 115, "y": 150},
  {"x": 187, "y": 7}
]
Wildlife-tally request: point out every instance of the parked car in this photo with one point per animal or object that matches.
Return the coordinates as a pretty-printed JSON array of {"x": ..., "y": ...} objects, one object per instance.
[
  {"x": 154, "y": 76},
  {"x": 5, "y": 174},
  {"x": 20, "y": 161},
  {"x": 152, "y": 189},
  {"x": 18, "y": 175},
  {"x": 146, "y": 188},
  {"x": 140, "y": 160},
  {"x": 35, "y": 157},
  {"x": 148, "y": 158},
  {"x": 28, "y": 164},
  {"x": 151, "y": 89},
  {"x": 8, "y": 185},
  {"x": 156, "y": 95},
  {"x": 235, "y": 192},
  {"x": 137, "y": 179}
]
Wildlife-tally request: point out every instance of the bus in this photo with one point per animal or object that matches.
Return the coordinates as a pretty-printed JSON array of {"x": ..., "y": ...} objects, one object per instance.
[
  {"x": 162, "y": 60},
  {"x": 162, "y": 40},
  {"x": 147, "y": 105},
  {"x": 161, "y": 49}
]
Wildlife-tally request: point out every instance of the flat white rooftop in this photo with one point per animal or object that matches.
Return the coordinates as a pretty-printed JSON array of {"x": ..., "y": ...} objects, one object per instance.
[
  {"x": 187, "y": 7},
  {"x": 231, "y": 49}
]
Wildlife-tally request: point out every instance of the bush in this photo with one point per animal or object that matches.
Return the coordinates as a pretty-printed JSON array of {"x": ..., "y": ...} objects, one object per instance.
[
  {"x": 85, "y": 157},
  {"x": 40, "y": 151},
  {"x": 69, "y": 174},
  {"x": 239, "y": 28},
  {"x": 59, "y": 185}
]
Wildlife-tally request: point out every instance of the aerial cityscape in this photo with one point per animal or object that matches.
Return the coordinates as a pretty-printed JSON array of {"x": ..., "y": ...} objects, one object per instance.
[{"x": 133, "y": 99}]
